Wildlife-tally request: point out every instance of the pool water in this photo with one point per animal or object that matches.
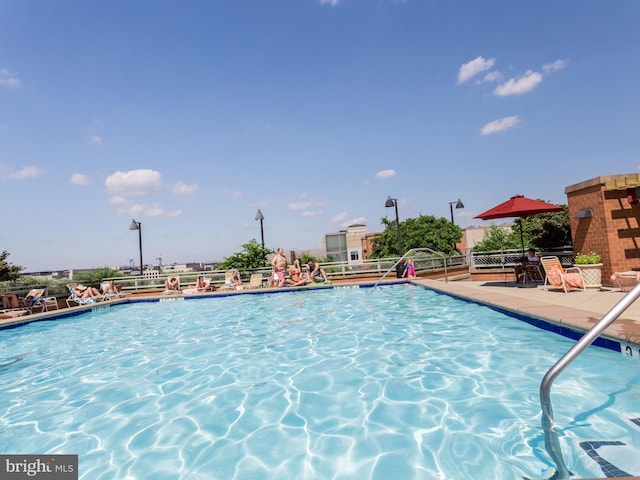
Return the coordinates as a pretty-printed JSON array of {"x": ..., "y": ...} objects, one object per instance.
[{"x": 394, "y": 382}]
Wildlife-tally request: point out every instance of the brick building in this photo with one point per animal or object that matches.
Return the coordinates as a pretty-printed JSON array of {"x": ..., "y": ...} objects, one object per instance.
[{"x": 605, "y": 218}]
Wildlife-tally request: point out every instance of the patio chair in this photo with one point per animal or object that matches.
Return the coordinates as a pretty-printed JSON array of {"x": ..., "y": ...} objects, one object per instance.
[
  {"x": 228, "y": 281},
  {"x": 555, "y": 276},
  {"x": 35, "y": 299},
  {"x": 110, "y": 294},
  {"x": 255, "y": 281},
  {"x": 75, "y": 298},
  {"x": 13, "y": 313},
  {"x": 626, "y": 280}
]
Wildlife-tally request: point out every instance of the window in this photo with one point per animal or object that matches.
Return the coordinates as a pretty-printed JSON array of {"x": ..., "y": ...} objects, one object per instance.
[{"x": 354, "y": 255}]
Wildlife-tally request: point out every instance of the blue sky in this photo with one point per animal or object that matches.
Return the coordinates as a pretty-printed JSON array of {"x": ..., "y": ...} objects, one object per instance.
[{"x": 190, "y": 115}]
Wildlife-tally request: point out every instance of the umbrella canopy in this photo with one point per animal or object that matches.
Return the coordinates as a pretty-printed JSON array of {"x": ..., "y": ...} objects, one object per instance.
[{"x": 518, "y": 206}]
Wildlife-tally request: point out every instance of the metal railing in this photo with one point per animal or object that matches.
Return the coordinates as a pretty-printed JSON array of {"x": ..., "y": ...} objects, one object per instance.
[
  {"x": 412, "y": 253},
  {"x": 551, "y": 441},
  {"x": 509, "y": 258},
  {"x": 154, "y": 280}
]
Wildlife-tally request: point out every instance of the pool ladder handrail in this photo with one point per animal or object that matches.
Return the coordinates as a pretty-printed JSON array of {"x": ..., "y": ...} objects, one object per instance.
[
  {"x": 410, "y": 253},
  {"x": 551, "y": 441}
]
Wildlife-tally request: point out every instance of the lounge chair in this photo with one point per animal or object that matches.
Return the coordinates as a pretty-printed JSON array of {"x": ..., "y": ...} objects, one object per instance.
[
  {"x": 555, "y": 276},
  {"x": 110, "y": 294},
  {"x": 194, "y": 289},
  {"x": 36, "y": 299},
  {"x": 172, "y": 286},
  {"x": 255, "y": 281},
  {"x": 626, "y": 280},
  {"x": 228, "y": 281},
  {"x": 75, "y": 298}
]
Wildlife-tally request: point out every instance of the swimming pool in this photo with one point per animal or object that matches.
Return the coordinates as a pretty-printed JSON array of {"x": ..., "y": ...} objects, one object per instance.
[{"x": 395, "y": 382}]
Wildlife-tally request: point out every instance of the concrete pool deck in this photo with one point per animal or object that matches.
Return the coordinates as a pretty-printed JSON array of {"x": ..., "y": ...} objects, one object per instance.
[{"x": 577, "y": 309}]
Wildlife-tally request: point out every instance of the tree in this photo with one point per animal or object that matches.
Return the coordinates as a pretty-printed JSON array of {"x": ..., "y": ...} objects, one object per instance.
[
  {"x": 498, "y": 238},
  {"x": 94, "y": 277},
  {"x": 426, "y": 231},
  {"x": 544, "y": 231},
  {"x": 253, "y": 255},
  {"x": 547, "y": 230},
  {"x": 8, "y": 272}
]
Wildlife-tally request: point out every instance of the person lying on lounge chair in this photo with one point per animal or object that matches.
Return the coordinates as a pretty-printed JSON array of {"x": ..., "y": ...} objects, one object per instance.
[
  {"x": 86, "y": 292},
  {"x": 200, "y": 286},
  {"x": 172, "y": 285},
  {"x": 111, "y": 288}
]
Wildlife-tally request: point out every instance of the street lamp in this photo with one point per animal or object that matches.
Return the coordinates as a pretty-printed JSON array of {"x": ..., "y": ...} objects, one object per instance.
[
  {"x": 458, "y": 204},
  {"x": 393, "y": 202},
  {"x": 138, "y": 226},
  {"x": 260, "y": 217}
]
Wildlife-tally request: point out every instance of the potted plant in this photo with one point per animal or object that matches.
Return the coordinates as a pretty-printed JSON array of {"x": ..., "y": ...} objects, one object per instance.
[{"x": 591, "y": 266}]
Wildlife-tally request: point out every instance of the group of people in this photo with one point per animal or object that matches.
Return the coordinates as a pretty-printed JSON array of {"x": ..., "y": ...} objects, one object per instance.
[
  {"x": 172, "y": 285},
  {"x": 293, "y": 276}
]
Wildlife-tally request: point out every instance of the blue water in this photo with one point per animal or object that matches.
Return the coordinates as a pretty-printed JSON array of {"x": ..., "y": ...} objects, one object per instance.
[{"x": 382, "y": 383}]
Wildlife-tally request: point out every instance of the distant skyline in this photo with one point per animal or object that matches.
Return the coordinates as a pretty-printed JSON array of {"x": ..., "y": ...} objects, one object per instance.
[{"x": 189, "y": 117}]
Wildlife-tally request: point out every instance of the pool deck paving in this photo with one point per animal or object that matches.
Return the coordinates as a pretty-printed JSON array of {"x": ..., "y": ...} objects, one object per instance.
[{"x": 577, "y": 309}]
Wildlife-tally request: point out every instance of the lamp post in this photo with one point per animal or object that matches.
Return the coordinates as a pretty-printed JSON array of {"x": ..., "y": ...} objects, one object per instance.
[
  {"x": 393, "y": 202},
  {"x": 458, "y": 204},
  {"x": 138, "y": 226},
  {"x": 260, "y": 217}
]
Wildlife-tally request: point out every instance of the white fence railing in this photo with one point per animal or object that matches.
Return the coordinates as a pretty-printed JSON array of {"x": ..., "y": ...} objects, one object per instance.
[
  {"x": 366, "y": 268},
  {"x": 509, "y": 258}
]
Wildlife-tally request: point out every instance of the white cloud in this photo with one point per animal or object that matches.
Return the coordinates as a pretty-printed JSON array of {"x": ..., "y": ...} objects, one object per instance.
[
  {"x": 554, "y": 66},
  {"x": 309, "y": 214},
  {"x": 474, "y": 67},
  {"x": 333, "y": 3},
  {"x": 25, "y": 172},
  {"x": 127, "y": 208},
  {"x": 134, "y": 182},
  {"x": 80, "y": 179},
  {"x": 339, "y": 218},
  {"x": 181, "y": 188},
  {"x": 386, "y": 173},
  {"x": 500, "y": 125},
  {"x": 232, "y": 194},
  {"x": 8, "y": 80},
  {"x": 118, "y": 200},
  {"x": 354, "y": 221},
  {"x": 518, "y": 86},
  {"x": 494, "y": 76},
  {"x": 299, "y": 205},
  {"x": 95, "y": 140}
]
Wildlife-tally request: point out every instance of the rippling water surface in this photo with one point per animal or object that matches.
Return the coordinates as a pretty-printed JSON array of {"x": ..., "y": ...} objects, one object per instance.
[{"x": 384, "y": 383}]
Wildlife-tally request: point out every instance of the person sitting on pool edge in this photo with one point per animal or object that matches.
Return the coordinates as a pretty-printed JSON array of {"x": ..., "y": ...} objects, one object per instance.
[
  {"x": 409, "y": 270},
  {"x": 296, "y": 277},
  {"x": 315, "y": 272}
]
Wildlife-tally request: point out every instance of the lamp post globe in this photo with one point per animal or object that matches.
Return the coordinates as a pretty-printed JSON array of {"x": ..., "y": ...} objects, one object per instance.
[{"x": 138, "y": 226}]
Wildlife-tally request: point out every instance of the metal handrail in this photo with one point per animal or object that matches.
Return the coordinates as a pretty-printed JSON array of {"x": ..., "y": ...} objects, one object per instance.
[
  {"x": 410, "y": 253},
  {"x": 551, "y": 441}
]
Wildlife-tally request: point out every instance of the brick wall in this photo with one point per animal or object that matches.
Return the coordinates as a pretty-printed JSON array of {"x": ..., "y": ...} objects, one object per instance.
[{"x": 613, "y": 230}]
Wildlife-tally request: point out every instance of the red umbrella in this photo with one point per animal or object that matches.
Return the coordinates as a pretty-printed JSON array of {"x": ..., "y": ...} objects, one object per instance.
[{"x": 519, "y": 206}]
